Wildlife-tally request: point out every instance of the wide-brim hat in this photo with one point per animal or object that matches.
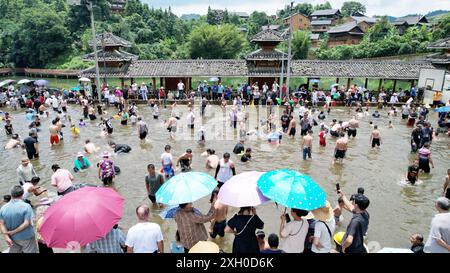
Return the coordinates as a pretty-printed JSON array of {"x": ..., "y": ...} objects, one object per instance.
[
  {"x": 323, "y": 214},
  {"x": 106, "y": 154},
  {"x": 80, "y": 154}
]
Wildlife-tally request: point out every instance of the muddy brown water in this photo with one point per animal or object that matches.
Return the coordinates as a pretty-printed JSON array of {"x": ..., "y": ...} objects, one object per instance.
[{"x": 396, "y": 210}]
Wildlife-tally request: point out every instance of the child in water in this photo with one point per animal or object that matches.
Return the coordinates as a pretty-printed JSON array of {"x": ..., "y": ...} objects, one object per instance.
[
  {"x": 75, "y": 131},
  {"x": 82, "y": 123},
  {"x": 390, "y": 126}
]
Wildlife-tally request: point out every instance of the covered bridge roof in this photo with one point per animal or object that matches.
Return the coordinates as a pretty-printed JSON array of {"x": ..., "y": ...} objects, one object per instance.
[{"x": 238, "y": 68}]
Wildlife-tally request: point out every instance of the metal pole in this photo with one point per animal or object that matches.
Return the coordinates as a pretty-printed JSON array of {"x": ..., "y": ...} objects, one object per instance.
[
  {"x": 97, "y": 72},
  {"x": 288, "y": 74}
]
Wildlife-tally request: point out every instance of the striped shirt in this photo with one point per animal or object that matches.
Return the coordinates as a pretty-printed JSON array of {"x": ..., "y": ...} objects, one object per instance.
[
  {"x": 191, "y": 226},
  {"x": 111, "y": 243}
]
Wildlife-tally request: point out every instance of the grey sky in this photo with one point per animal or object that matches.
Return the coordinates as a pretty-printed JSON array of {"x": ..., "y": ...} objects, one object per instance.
[{"x": 374, "y": 7}]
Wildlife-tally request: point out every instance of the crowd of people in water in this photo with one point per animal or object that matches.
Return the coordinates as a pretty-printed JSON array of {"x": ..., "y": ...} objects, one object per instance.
[{"x": 300, "y": 231}]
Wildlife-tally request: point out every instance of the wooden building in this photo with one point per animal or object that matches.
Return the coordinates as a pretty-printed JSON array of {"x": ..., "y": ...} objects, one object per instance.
[
  {"x": 117, "y": 5},
  {"x": 403, "y": 23},
  {"x": 346, "y": 34},
  {"x": 327, "y": 14},
  {"x": 299, "y": 21},
  {"x": 363, "y": 22},
  {"x": 263, "y": 65},
  {"x": 442, "y": 57}
]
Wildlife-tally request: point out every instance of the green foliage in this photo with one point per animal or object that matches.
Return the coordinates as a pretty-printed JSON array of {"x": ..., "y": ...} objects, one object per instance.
[
  {"x": 381, "y": 40},
  {"x": 300, "y": 44},
  {"x": 442, "y": 28},
  {"x": 42, "y": 37},
  {"x": 351, "y": 7},
  {"x": 215, "y": 42},
  {"x": 323, "y": 6}
]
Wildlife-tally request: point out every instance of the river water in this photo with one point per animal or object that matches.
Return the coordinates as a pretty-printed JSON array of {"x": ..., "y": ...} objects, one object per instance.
[{"x": 396, "y": 210}]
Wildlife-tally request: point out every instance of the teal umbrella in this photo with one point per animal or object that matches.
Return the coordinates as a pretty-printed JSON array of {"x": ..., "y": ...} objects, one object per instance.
[
  {"x": 185, "y": 188},
  {"x": 292, "y": 189}
]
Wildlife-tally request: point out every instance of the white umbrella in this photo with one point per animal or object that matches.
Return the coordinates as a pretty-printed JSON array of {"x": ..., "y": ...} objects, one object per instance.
[
  {"x": 24, "y": 81},
  {"x": 84, "y": 80},
  {"x": 6, "y": 82}
]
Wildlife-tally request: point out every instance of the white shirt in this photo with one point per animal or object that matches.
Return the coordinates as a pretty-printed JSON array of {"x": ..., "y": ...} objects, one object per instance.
[
  {"x": 190, "y": 118},
  {"x": 55, "y": 102},
  {"x": 225, "y": 172},
  {"x": 321, "y": 232},
  {"x": 440, "y": 228},
  {"x": 180, "y": 86},
  {"x": 133, "y": 119},
  {"x": 26, "y": 187},
  {"x": 143, "y": 237},
  {"x": 294, "y": 234},
  {"x": 166, "y": 158}
]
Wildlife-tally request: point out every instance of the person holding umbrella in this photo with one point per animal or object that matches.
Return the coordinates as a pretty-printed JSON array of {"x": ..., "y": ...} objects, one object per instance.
[{"x": 191, "y": 224}]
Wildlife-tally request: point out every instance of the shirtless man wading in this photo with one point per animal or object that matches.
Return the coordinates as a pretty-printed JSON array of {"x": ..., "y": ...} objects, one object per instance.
[
  {"x": 54, "y": 133},
  {"x": 307, "y": 145},
  {"x": 375, "y": 138},
  {"x": 341, "y": 148},
  {"x": 353, "y": 124}
]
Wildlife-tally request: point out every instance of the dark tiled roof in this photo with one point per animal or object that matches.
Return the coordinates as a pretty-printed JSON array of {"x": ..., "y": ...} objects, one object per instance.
[
  {"x": 268, "y": 35},
  {"x": 238, "y": 68},
  {"x": 111, "y": 72},
  {"x": 109, "y": 39},
  {"x": 325, "y": 12},
  {"x": 320, "y": 22},
  {"x": 114, "y": 55},
  {"x": 360, "y": 68},
  {"x": 439, "y": 58},
  {"x": 266, "y": 55},
  {"x": 347, "y": 27},
  {"x": 440, "y": 44},
  {"x": 186, "y": 68},
  {"x": 412, "y": 20}
]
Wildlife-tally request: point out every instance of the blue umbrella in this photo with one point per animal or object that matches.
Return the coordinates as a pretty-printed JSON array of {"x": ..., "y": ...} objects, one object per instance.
[
  {"x": 185, "y": 188},
  {"x": 76, "y": 88},
  {"x": 443, "y": 109},
  {"x": 292, "y": 189},
  {"x": 41, "y": 82},
  {"x": 170, "y": 212}
]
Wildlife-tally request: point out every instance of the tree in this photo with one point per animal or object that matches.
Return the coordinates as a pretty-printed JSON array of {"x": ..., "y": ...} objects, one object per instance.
[
  {"x": 442, "y": 28},
  {"x": 215, "y": 42},
  {"x": 226, "y": 17},
  {"x": 351, "y": 7},
  {"x": 380, "y": 30},
  {"x": 326, "y": 5},
  {"x": 42, "y": 37},
  {"x": 211, "y": 17},
  {"x": 300, "y": 44},
  {"x": 304, "y": 8}
]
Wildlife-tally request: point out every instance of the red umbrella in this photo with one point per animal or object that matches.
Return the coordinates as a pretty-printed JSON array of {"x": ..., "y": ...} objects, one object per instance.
[{"x": 81, "y": 217}]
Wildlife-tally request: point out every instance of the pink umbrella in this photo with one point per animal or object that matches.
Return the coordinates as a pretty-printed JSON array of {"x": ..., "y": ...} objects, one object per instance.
[
  {"x": 241, "y": 191},
  {"x": 81, "y": 217}
]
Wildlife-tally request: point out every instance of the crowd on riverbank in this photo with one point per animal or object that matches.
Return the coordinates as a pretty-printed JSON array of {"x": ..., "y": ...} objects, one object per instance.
[{"x": 307, "y": 231}]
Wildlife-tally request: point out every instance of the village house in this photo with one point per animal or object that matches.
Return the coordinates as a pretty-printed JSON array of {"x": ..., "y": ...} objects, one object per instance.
[
  {"x": 363, "y": 22},
  {"x": 346, "y": 34},
  {"x": 299, "y": 21},
  {"x": 404, "y": 23}
]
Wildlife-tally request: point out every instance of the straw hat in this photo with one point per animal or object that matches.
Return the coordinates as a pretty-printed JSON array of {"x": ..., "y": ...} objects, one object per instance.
[
  {"x": 323, "y": 214},
  {"x": 338, "y": 237},
  {"x": 205, "y": 247},
  {"x": 106, "y": 154}
]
